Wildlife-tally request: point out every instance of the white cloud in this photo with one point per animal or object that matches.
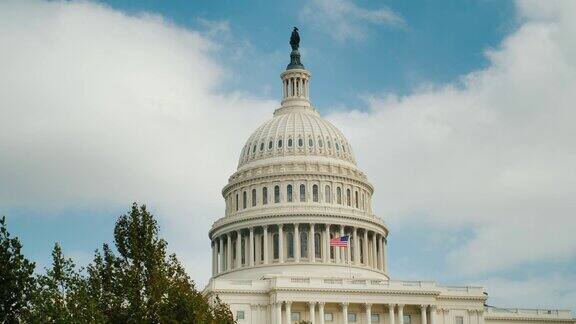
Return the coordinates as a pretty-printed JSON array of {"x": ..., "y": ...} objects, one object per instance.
[
  {"x": 344, "y": 20},
  {"x": 98, "y": 107},
  {"x": 494, "y": 152}
]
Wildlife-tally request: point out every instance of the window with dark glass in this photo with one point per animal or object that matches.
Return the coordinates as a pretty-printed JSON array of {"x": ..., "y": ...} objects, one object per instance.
[
  {"x": 361, "y": 243},
  {"x": 327, "y": 193},
  {"x": 356, "y": 198},
  {"x": 317, "y": 245},
  {"x": 339, "y": 195},
  {"x": 302, "y": 192},
  {"x": 262, "y": 247},
  {"x": 289, "y": 142},
  {"x": 270, "y": 145},
  {"x": 304, "y": 244},
  {"x": 310, "y": 142},
  {"x": 279, "y": 143},
  {"x": 253, "y": 197},
  {"x": 315, "y": 193},
  {"x": 289, "y": 193},
  {"x": 264, "y": 195},
  {"x": 290, "y": 244},
  {"x": 276, "y": 194},
  {"x": 300, "y": 142},
  {"x": 244, "y": 199},
  {"x": 407, "y": 319},
  {"x": 348, "y": 197},
  {"x": 261, "y": 146},
  {"x": 243, "y": 251},
  {"x": 276, "y": 246},
  {"x": 237, "y": 202}
]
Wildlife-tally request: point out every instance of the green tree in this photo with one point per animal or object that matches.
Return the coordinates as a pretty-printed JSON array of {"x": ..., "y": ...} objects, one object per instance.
[
  {"x": 62, "y": 294},
  {"x": 16, "y": 279},
  {"x": 143, "y": 284}
]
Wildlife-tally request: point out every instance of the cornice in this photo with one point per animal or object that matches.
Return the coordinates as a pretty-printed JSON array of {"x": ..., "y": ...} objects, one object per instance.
[{"x": 499, "y": 317}]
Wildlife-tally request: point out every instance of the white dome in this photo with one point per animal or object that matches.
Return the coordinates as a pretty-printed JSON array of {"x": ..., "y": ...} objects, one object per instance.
[{"x": 296, "y": 132}]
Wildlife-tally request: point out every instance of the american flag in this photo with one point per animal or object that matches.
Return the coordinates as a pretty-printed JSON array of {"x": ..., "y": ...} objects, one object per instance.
[{"x": 341, "y": 241}]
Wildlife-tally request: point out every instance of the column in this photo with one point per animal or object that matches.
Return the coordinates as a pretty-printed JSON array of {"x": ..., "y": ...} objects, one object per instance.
[
  {"x": 368, "y": 313},
  {"x": 423, "y": 314},
  {"x": 356, "y": 247},
  {"x": 321, "y": 312},
  {"x": 278, "y": 314},
  {"x": 229, "y": 252},
  {"x": 265, "y": 228},
  {"x": 311, "y": 306},
  {"x": 312, "y": 245},
  {"x": 280, "y": 244},
  {"x": 349, "y": 249},
  {"x": 365, "y": 247},
  {"x": 374, "y": 252},
  {"x": 222, "y": 255},
  {"x": 288, "y": 312},
  {"x": 379, "y": 252},
  {"x": 342, "y": 250},
  {"x": 239, "y": 249},
  {"x": 391, "y": 313},
  {"x": 345, "y": 313},
  {"x": 296, "y": 243},
  {"x": 400, "y": 314},
  {"x": 251, "y": 244},
  {"x": 447, "y": 316},
  {"x": 481, "y": 316},
  {"x": 326, "y": 249},
  {"x": 214, "y": 258},
  {"x": 433, "y": 314},
  {"x": 383, "y": 252},
  {"x": 472, "y": 318},
  {"x": 336, "y": 252}
]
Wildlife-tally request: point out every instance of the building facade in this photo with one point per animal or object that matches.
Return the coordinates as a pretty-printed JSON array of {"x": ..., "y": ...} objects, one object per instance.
[{"x": 297, "y": 186}]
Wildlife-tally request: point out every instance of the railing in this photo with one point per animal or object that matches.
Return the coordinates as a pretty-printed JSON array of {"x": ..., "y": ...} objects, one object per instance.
[{"x": 530, "y": 311}]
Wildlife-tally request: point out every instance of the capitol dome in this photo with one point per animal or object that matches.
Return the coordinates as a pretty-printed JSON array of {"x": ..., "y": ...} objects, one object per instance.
[
  {"x": 297, "y": 188},
  {"x": 296, "y": 133}
]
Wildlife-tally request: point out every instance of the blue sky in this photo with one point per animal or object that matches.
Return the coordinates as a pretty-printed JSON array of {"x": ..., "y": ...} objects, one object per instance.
[{"x": 457, "y": 110}]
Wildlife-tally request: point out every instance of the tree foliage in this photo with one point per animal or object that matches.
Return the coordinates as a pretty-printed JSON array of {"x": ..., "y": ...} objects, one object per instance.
[
  {"x": 140, "y": 283},
  {"x": 16, "y": 280}
]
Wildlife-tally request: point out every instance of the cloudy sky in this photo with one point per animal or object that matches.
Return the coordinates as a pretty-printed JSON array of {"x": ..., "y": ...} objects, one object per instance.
[{"x": 461, "y": 114}]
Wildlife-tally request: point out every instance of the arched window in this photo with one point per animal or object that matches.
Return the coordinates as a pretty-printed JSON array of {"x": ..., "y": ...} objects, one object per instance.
[
  {"x": 289, "y": 142},
  {"x": 356, "y": 198},
  {"x": 304, "y": 244},
  {"x": 276, "y": 194},
  {"x": 327, "y": 197},
  {"x": 244, "y": 200},
  {"x": 264, "y": 195},
  {"x": 315, "y": 193},
  {"x": 331, "y": 248},
  {"x": 300, "y": 142},
  {"x": 276, "y": 246},
  {"x": 237, "y": 202},
  {"x": 253, "y": 197},
  {"x": 339, "y": 195},
  {"x": 348, "y": 197},
  {"x": 317, "y": 245},
  {"x": 302, "y": 192},
  {"x": 262, "y": 247},
  {"x": 279, "y": 143},
  {"x": 290, "y": 244},
  {"x": 289, "y": 193}
]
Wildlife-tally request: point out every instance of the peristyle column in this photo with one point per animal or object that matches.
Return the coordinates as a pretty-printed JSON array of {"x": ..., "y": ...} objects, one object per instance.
[
  {"x": 296, "y": 243},
  {"x": 280, "y": 244},
  {"x": 265, "y": 229},
  {"x": 239, "y": 249},
  {"x": 229, "y": 251},
  {"x": 251, "y": 254},
  {"x": 356, "y": 247},
  {"x": 321, "y": 312},
  {"x": 400, "y": 314},
  {"x": 312, "y": 245},
  {"x": 433, "y": 314},
  {"x": 311, "y": 306},
  {"x": 391, "y": 313},
  {"x": 423, "y": 314},
  {"x": 365, "y": 247},
  {"x": 368, "y": 313},
  {"x": 345, "y": 313},
  {"x": 288, "y": 312}
]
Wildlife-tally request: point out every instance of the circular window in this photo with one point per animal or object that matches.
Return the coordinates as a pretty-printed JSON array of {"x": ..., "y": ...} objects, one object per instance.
[
  {"x": 279, "y": 143},
  {"x": 289, "y": 142}
]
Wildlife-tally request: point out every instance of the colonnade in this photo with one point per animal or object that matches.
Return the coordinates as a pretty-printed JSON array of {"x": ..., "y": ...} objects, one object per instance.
[
  {"x": 394, "y": 313},
  {"x": 295, "y": 86},
  {"x": 296, "y": 243}
]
